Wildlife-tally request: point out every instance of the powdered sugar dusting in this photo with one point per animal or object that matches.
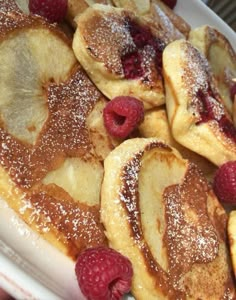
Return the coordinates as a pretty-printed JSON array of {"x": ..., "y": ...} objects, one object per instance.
[
  {"x": 12, "y": 19},
  {"x": 198, "y": 78},
  {"x": 162, "y": 25},
  {"x": 195, "y": 71},
  {"x": 151, "y": 76},
  {"x": 64, "y": 134},
  {"x": 190, "y": 233},
  {"x": 205, "y": 103},
  {"x": 190, "y": 237},
  {"x": 78, "y": 223},
  {"x": 8, "y": 6},
  {"x": 129, "y": 194},
  {"x": 108, "y": 38}
]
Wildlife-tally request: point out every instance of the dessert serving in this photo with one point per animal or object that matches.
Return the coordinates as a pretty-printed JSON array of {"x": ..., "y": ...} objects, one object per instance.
[{"x": 118, "y": 148}]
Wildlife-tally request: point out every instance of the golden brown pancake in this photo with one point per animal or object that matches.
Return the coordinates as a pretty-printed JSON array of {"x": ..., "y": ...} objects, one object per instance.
[
  {"x": 234, "y": 108},
  {"x": 165, "y": 23},
  {"x": 160, "y": 212},
  {"x": 232, "y": 238},
  {"x": 76, "y": 7},
  {"x": 120, "y": 55},
  {"x": 140, "y": 6},
  {"x": 177, "y": 20},
  {"x": 221, "y": 56},
  {"x": 156, "y": 125},
  {"x": 51, "y": 149},
  {"x": 162, "y": 25},
  {"x": 197, "y": 116}
]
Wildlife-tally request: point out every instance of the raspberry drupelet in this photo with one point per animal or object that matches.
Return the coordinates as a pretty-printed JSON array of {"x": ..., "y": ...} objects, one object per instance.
[
  {"x": 53, "y": 11},
  {"x": 103, "y": 274},
  {"x": 224, "y": 184}
]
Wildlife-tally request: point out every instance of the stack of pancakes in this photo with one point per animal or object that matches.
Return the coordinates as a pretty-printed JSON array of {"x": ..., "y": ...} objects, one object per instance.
[{"x": 148, "y": 197}]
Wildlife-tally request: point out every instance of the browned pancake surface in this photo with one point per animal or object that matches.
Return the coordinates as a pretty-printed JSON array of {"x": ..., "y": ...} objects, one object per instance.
[
  {"x": 160, "y": 211},
  {"x": 48, "y": 208}
]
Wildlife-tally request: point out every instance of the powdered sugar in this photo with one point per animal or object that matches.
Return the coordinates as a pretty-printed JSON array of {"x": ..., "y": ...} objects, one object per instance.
[
  {"x": 188, "y": 233},
  {"x": 64, "y": 134},
  {"x": 108, "y": 38},
  {"x": 198, "y": 78}
]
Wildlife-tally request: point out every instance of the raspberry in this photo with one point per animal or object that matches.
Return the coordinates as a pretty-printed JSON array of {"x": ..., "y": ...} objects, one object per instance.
[
  {"x": 122, "y": 115},
  {"x": 141, "y": 35},
  {"x": 103, "y": 274},
  {"x": 224, "y": 183},
  {"x": 52, "y": 10},
  {"x": 132, "y": 65},
  {"x": 207, "y": 110},
  {"x": 159, "y": 47},
  {"x": 133, "y": 62},
  {"x": 170, "y": 3}
]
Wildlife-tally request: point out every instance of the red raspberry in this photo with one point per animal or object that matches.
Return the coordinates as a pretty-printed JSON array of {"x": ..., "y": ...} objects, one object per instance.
[
  {"x": 141, "y": 35},
  {"x": 52, "y": 10},
  {"x": 224, "y": 184},
  {"x": 122, "y": 115},
  {"x": 103, "y": 274},
  {"x": 132, "y": 65},
  {"x": 170, "y": 3}
]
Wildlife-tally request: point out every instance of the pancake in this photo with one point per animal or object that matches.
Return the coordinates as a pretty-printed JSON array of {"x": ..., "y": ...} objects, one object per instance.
[
  {"x": 76, "y": 7},
  {"x": 160, "y": 212},
  {"x": 141, "y": 7},
  {"x": 234, "y": 110},
  {"x": 221, "y": 56},
  {"x": 120, "y": 55},
  {"x": 52, "y": 138},
  {"x": 164, "y": 21},
  {"x": 161, "y": 24},
  {"x": 197, "y": 116},
  {"x": 176, "y": 20},
  {"x": 156, "y": 125},
  {"x": 232, "y": 238}
]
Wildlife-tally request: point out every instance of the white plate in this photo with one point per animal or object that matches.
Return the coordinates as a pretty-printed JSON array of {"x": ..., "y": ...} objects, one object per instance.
[{"x": 30, "y": 268}]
